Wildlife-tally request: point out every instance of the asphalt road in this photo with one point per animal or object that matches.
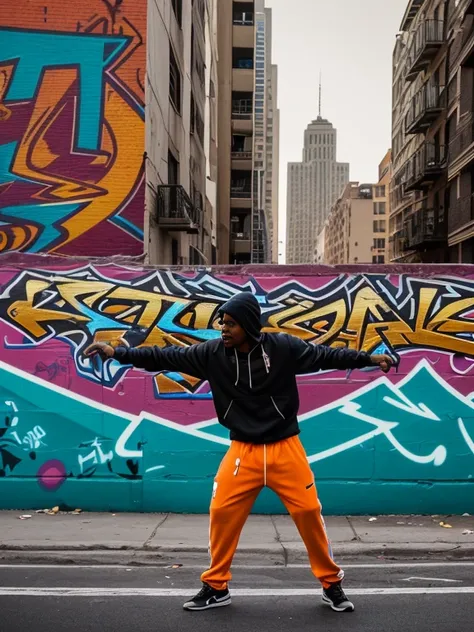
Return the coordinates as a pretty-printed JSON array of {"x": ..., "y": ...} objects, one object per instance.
[{"x": 426, "y": 597}]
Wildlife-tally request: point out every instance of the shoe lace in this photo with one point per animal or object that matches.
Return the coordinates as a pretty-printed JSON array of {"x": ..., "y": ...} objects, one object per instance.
[
  {"x": 205, "y": 590},
  {"x": 337, "y": 592}
]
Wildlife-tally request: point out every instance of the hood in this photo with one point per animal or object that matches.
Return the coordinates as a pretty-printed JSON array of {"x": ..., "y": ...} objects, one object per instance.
[{"x": 245, "y": 309}]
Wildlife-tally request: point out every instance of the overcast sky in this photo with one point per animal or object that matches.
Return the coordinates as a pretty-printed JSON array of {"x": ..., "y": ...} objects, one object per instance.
[{"x": 351, "y": 41}]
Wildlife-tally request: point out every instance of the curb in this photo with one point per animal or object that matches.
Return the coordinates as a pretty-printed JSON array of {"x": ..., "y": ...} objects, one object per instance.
[{"x": 278, "y": 555}]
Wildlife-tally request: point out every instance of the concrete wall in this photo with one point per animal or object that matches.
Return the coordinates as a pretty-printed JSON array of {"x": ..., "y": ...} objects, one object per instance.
[
  {"x": 103, "y": 437},
  {"x": 72, "y": 126}
]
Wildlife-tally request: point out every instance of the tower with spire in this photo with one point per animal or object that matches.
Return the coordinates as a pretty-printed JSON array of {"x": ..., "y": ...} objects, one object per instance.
[{"x": 314, "y": 184}]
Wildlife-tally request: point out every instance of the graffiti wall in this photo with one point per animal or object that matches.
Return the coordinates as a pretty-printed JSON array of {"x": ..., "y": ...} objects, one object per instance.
[
  {"x": 72, "y": 134},
  {"x": 81, "y": 433}
]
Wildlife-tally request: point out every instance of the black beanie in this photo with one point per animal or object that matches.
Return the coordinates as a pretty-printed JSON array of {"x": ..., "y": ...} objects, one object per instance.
[{"x": 245, "y": 308}]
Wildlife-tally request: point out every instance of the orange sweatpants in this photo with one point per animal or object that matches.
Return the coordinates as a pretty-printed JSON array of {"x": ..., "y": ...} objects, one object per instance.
[{"x": 244, "y": 471}]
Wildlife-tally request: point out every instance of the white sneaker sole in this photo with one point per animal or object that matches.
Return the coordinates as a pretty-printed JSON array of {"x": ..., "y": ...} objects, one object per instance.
[
  {"x": 216, "y": 604},
  {"x": 349, "y": 608}
]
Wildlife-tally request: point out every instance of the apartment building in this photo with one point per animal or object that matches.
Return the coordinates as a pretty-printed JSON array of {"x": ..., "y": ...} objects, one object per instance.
[
  {"x": 380, "y": 248},
  {"x": 248, "y": 133},
  {"x": 314, "y": 185},
  {"x": 181, "y": 132},
  {"x": 432, "y": 218},
  {"x": 355, "y": 229}
]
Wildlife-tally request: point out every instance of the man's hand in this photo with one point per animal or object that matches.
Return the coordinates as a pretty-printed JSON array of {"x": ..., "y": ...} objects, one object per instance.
[
  {"x": 385, "y": 362},
  {"x": 102, "y": 349}
]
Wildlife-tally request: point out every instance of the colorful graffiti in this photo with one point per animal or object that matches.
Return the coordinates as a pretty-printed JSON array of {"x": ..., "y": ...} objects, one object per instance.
[
  {"x": 103, "y": 436},
  {"x": 72, "y": 133}
]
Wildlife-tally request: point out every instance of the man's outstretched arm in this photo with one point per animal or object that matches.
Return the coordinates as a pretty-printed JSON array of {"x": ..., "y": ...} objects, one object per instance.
[
  {"x": 191, "y": 360},
  {"x": 310, "y": 358}
]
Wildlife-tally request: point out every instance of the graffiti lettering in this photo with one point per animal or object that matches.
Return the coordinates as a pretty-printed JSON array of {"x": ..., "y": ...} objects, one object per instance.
[
  {"x": 96, "y": 457},
  {"x": 12, "y": 450},
  {"x": 361, "y": 312}
]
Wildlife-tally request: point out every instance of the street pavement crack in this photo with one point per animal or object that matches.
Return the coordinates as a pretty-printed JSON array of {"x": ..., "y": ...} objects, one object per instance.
[
  {"x": 155, "y": 530},
  {"x": 278, "y": 539},
  {"x": 353, "y": 530}
]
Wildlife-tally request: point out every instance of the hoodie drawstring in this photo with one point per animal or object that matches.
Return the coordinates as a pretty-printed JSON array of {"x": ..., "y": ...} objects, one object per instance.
[
  {"x": 238, "y": 367},
  {"x": 266, "y": 362}
]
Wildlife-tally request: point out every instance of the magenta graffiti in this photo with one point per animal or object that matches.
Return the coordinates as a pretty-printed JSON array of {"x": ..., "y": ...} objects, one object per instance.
[{"x": 51, "y": 475}]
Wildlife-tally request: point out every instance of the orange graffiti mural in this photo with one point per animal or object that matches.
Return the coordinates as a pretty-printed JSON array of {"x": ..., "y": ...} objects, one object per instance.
[{"x": 72, "y": 128}]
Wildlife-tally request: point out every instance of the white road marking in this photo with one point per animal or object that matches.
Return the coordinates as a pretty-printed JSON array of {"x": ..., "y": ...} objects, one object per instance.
[
  {"x": 135, "y": 566},
  {"x": 95, "y": 591},
  {"x": 431, "y": 579}
]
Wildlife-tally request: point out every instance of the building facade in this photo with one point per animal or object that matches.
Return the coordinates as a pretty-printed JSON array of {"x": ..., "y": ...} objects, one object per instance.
[
  {"x": 432, "y": 218},
  {"x": 380, "y": 248},
  {"x": 314, "y": 184},
  {"x": 355, "y": 230},
  {"x": 181, "y": 128},
  {"x": 248, "y": 132}
]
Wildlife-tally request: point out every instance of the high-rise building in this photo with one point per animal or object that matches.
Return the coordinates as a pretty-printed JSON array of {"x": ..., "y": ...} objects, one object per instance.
[
  {"x": 248, "y": 134},
  {"x": 314, "y": 185}
]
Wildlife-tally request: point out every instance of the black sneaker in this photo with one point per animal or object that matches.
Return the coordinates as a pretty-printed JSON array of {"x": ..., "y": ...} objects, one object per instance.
[
  {"x": 335, "y": 597},
  {"x": 207, "y": 598}
]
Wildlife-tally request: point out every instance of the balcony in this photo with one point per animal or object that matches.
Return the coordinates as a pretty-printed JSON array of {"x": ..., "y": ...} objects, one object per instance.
[
  {"x": 243, "y": 35},
  {"x": 243, "y": 69},
  {"x": 425, "y": 166},
  {"x": 241, "y": 243},
  {"x": 244, "y": 15},
  {"x": 241, "y": 192},
  {"x": 241, "y": 160},
  {"x": 175, "y": 211},
  {"x": 424, "y": 230},
  {"x": 398, "y": 243},
  {"x": 428, "y": 39},
  {"x": 242, "y": 109},
  {"x": 425, "y": 107},
  {"x": 461, "y": 148}
]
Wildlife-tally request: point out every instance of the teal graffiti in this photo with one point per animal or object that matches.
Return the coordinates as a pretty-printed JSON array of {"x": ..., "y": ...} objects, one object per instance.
[
  {"x": 50, "y": 214},
  {"x": 35, "y": 51},
  {"x": 420, "y": 429}
]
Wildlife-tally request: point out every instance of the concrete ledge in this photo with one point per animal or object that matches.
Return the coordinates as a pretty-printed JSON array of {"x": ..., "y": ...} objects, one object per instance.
[{"x": 278, "y": 556}]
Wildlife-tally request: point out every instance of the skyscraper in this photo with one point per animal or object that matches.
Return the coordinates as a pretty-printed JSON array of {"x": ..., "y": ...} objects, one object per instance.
[
  {"x": 313, "y": 187},
  {"x": 248, "y": 135}
]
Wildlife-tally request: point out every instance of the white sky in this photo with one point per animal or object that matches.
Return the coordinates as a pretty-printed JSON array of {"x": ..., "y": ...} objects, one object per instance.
[{"x": 351, "y": 41}]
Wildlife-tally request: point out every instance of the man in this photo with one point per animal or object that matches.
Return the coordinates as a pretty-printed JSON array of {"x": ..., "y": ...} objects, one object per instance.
[{"x": 253, "y": 381}]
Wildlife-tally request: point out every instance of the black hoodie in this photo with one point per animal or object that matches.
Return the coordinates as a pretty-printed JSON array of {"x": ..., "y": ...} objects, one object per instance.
[{"x": 255, "y": 394}]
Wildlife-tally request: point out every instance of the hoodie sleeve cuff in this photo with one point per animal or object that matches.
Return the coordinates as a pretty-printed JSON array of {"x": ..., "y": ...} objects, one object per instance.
[{"x": 121, "y": 354}]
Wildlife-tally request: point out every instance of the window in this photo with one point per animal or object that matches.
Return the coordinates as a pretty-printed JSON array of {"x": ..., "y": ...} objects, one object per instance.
[
  {"x": 175, "y": 82},
  {"x": 174, "y": 252},
  {"x": 193, "y": 114},
  {"x": 173, "y": 169},
  {"x": 378, "y": 259},
  {"x": 380, "y": 191},
  {"x": 379, "y": 243},
  {"x": 379, "y": 226},
  {"x": 379, "y": 208},
  {"x": 178, "y": 10}
]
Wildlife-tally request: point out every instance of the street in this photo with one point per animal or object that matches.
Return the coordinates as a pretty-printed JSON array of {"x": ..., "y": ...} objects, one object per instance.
[{"x": 388, "y": 597}]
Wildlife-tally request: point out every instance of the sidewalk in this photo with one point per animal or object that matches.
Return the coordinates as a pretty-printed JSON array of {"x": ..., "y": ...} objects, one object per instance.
[{"x": 91, "y": 538}]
